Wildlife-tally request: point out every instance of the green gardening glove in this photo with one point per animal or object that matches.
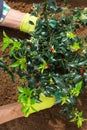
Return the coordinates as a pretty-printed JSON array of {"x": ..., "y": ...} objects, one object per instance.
[
  {"x": 46, "y": 102},
  {"x": 28, "y": 23}
]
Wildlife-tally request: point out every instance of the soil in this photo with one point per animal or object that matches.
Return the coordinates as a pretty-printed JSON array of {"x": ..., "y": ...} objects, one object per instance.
[{"x": 47, "y": 119}]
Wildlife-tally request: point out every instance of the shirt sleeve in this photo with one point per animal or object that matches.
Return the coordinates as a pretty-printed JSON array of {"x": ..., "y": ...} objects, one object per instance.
[
  {"x": 4, "y": 10},
  {"x": 1, "y": 7}
]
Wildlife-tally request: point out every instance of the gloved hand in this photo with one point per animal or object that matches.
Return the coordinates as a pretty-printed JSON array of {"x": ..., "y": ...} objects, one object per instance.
[
  {"x": 46, "y": 102},
  {"x": 25, "y": 25}
]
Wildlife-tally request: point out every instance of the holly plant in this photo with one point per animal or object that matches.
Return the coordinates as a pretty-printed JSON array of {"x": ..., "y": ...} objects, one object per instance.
[{"x": 53, "y": 61}]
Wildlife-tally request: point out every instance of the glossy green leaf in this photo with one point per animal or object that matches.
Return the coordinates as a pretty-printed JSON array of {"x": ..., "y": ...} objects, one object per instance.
[{"x": 7, "y": 41}]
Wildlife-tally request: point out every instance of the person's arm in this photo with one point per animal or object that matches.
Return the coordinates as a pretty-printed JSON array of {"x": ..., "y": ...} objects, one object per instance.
[
  {"x": 17, "y": 19},
  {"x": 13, "y": 19},
  {"x": 13, "y": 111},
  {"x": 10, "y": 112}
]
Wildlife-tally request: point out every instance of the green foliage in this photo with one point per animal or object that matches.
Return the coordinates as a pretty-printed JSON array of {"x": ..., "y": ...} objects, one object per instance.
[
  {"x": 76, "y": 91},
  {"x": 5, "y": 68},
  {"x": 14, "y": 44},
  {"x": 53, "y": 60},
  {"x": 25, "y": 99},
  {"x": 78, "y": 118}
]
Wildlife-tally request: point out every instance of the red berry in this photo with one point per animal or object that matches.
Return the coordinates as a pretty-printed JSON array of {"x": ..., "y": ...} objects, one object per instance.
[
  {"x": 48, "y": 66},
  {"x": 41, "y": 17},
  {"x": 82, "y": 70},
  {"x": 51, "y": 49},
  {"x": 38, "y": 84},
  {"x": 79, "y": 49}
]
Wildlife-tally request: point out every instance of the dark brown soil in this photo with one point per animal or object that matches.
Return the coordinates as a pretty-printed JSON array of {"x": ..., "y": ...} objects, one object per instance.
[{"x": 47, "y": 119}]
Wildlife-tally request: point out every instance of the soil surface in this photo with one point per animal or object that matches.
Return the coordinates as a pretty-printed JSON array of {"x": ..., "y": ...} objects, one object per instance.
[{"x": 47, "y": 119}]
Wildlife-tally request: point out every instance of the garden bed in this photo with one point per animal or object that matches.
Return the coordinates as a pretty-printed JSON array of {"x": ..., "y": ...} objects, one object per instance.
[{"x": 47, "y": 119}]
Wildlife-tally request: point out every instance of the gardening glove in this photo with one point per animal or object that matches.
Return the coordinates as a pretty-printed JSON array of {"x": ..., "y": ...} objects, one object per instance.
[
  {"x": 28, "y": 23},
  {"x": 46, "y": 102}
]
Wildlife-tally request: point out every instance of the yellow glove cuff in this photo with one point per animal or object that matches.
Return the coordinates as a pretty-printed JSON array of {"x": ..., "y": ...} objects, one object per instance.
[{"x": 25, "y": 26}]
